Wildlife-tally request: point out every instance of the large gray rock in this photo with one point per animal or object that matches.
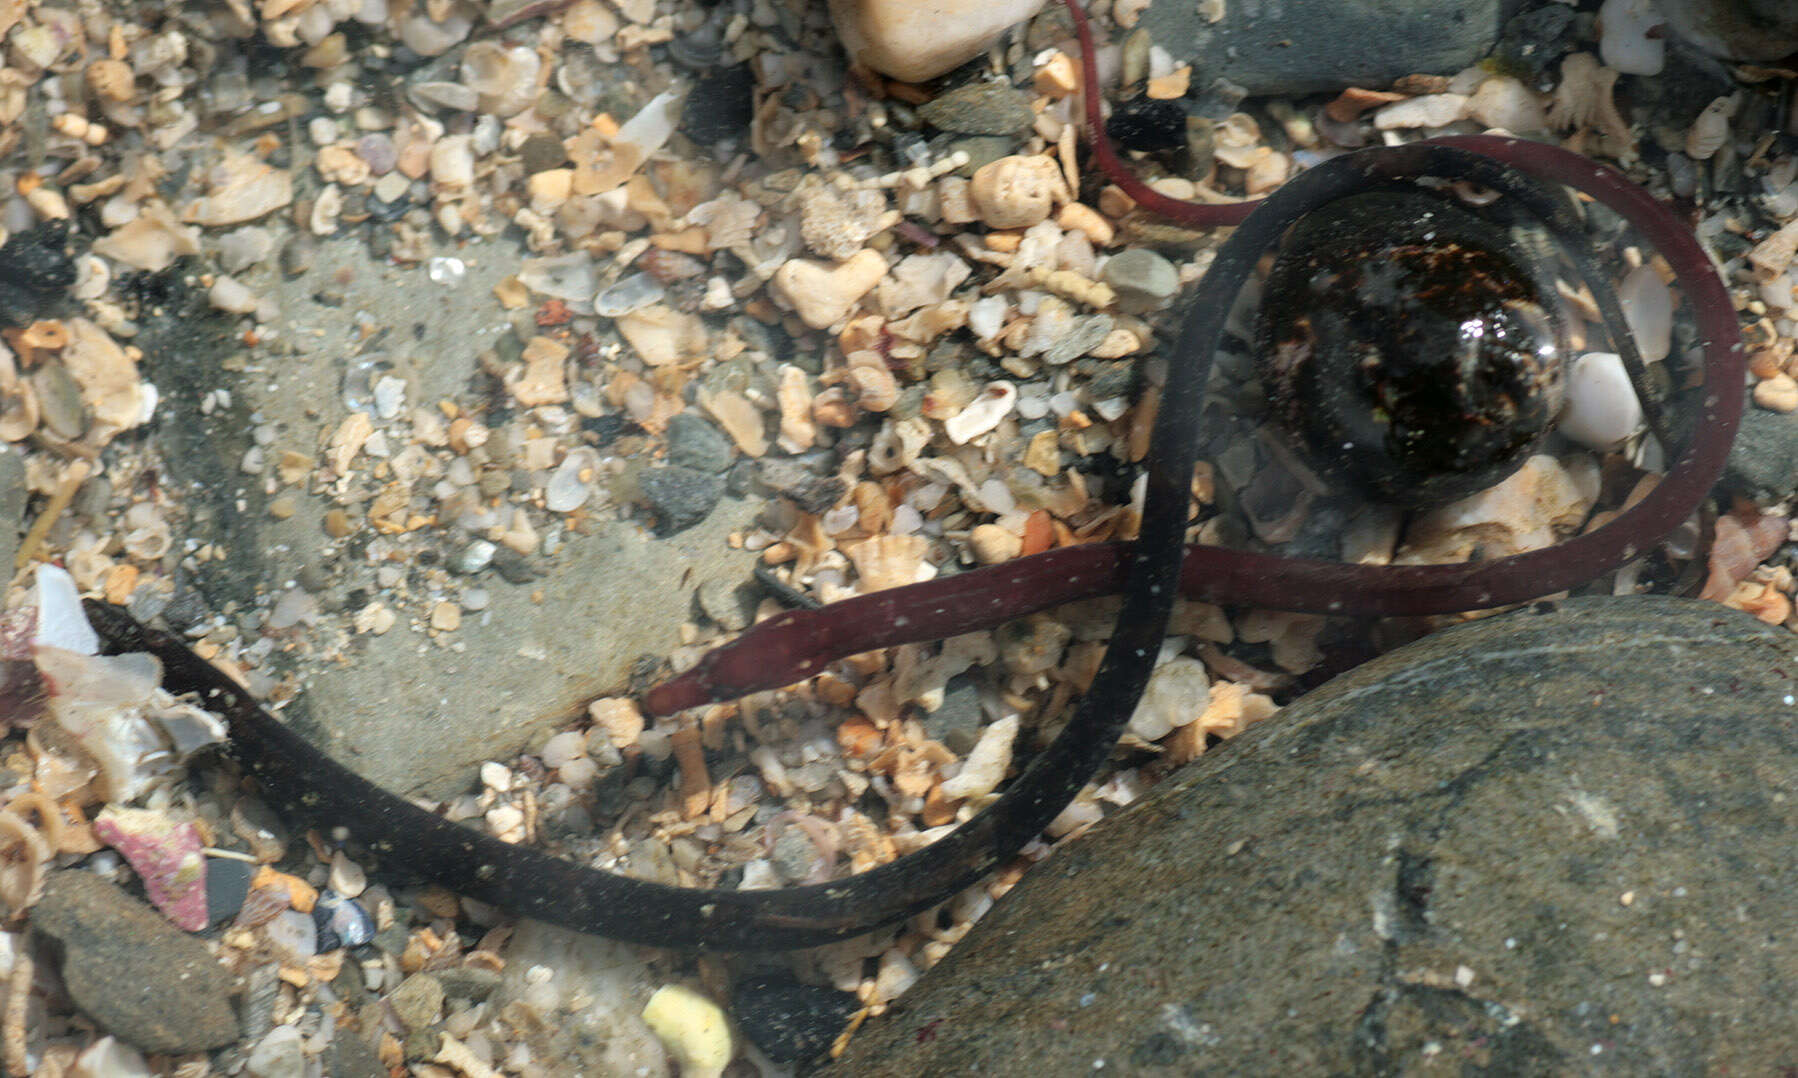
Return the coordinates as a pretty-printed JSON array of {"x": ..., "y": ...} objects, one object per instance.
[
  {"x": 1284, "y": 47},
  {"x": 1558, "y": 841},
  {"x": 412, "y": 713},
  {"x": 142, "y": 979}
]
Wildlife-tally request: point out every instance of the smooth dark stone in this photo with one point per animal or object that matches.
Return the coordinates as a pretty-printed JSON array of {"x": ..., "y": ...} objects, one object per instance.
[
  {"x": 141, "y": 978},
  {"x": 1549, "y": 842},
  {"x": 790, "y": 1021},
  {"x": 1763, "y": 462},
  {"x": 227, "y": 885},
  {"x": 1314, "y": 47},
  {"x": 720, "y": 105}
]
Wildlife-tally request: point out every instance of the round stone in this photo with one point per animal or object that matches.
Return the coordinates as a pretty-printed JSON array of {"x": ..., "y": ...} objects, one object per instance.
[{"x": 1531, "y": 838}]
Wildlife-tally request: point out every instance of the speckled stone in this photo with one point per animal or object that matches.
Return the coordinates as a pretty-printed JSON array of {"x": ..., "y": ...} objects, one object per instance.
[
  {"x": 1763, "y": 462},
  {"x": 1554, "y": 842},
  {"x": 142, "y": 979},
  {"x": 681, "y": 496},
  {"x": 979, "y": 108},
  {"x": 1307, "y": 48}
]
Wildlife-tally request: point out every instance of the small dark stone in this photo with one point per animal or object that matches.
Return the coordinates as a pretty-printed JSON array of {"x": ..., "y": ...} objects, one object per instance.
[
  {"x": 392, "y": 939},
  {"x": 979, "y": 108},
  {"x": 1763, "y": 463},
  {"x": 417, "y": 1001},
  {"x": 811, "y": 492},
  {"x": 607, "y": 428},
  {"x": 790, "y": 1021},
  {"x": 141, "y": 978},
  {"x": 421, "y": 1045},
  {"x": 542, "y": 152},
  {"x": 13, "y": 496},
  {"x": 956, "y": 724},
  {"x": 186, "y": 608},
  {"x": 35, "y": 271},
  {"x": 349, "y": 1056},
  {"x": 681, "y": 496},
  {"x": 350, "y": 985},
  {"x": 693, "y": 442},
  {"x": 1535, "y": 40},
  {"x": 1113, "y": 380},
  {"x": 385, "y": 213},
  {"x": 738, "y": 482},
  {"x": 59, "y": 395},
  {"x": 298, "y": 254},
  {"x": 724, "y": 602},
  {"x": 720, "y": 105},
  {"x": 227, "y": 885},
  {"x": 1146, "y": 123},
  {"x": 513, "y": 567},
  {"x": 472, "y": 983}
]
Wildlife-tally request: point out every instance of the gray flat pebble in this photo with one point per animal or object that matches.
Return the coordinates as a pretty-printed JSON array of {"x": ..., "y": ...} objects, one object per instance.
[
  {"x": 1143, "y": 279},
  {"x": 141, "y": 978},
  {"x": 979, "y": 108},
  {"x": 694, "y": 442},
  {"x": 417, "y": 1001},
  {"x": 1308, "y": 48},
  {"x": 1763, "y": 463},
  {"x": 1557, "y": 841}
]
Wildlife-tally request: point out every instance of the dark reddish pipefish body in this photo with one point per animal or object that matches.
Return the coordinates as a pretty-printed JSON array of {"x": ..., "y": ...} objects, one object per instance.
[
  {"x": 295, "y": 774},
  {"x": 798, "y": 644}
]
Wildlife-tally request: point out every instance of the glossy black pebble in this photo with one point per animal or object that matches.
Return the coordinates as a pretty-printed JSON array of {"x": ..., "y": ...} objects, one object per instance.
[{"x": 1412, "y": 348}]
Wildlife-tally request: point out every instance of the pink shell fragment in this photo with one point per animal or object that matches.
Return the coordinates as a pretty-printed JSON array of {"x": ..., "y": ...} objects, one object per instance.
[{"x": 167, "y": 855}]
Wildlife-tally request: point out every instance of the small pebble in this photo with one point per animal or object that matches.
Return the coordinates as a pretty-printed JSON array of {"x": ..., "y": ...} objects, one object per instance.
[
  {"x": 694, "y": 442},
  {"x": 1142, "y": 279},
  {"x": 281, "y": 1054},
  {"x": 1602, "y": 408},
  {"x": 1146, "y": 124},
  {"x": 720, "y": 105},
  {"x": 681, "y": 496},
  {"x": 1777, "y": 394},
  {"x": 692, "y": 1028},
  {"x": 417, "y": 1001},
  {"x": 227, "y": 885},
  {"x": 980, "y": 108}
]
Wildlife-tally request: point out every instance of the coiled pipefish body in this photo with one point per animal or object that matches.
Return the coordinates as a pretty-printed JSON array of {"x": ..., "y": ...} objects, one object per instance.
[{"x": 1148, "y": 573}]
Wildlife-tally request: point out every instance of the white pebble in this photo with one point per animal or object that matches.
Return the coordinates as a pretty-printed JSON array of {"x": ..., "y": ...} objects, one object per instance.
[
  {"x": 1624, "y": 43},
  {"x": 347, "y": 877},
  {"x": 1602, "y": 408},
  {"x": 983, "y": 414},
  {"x": 986, "y": 763},
  {"x": 564, "y": 748},
  {"x": 229, "y": 294},
  {"x": 1177, "y": 693},
  {"x": 60, "y": 620},
  {"x": 1648, "y": 308},
  {"x": 1429, "y": 110}
]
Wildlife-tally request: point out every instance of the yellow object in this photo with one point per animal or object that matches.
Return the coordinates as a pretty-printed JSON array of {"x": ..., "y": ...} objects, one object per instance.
[{"x": 693, "y": 1029}]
